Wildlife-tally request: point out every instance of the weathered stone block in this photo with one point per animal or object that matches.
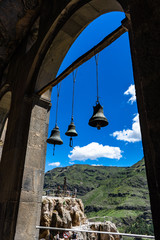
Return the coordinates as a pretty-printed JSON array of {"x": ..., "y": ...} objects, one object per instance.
[
  {"x": 27, "y": 214},
  {"x": 33, "y": 157}
]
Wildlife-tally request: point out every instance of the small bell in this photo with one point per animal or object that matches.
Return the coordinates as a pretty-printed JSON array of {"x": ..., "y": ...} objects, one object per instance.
[
  {"x": 71, "y": 132},
  {"x": 55, "y": 138},
  {"x": 98, "y": 119}
]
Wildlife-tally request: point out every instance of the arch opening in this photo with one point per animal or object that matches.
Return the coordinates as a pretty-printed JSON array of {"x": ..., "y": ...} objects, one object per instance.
[{"x": 116, "y": 82}]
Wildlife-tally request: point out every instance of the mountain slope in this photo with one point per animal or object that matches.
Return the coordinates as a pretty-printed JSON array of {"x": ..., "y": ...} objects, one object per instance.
[{"x": 121, "y": 193}]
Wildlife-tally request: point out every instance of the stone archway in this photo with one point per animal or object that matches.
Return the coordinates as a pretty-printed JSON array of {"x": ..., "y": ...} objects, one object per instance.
[
  {"x": 68, "y": 34},
  {"x": 27, "y": 70},
  {"x": 26, "y": 131},
  {"x": 143, "y": 62}
]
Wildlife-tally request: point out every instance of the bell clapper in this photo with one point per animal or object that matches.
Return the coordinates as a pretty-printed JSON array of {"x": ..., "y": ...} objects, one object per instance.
[
  {"x": 98, "y": 126},
  {"x": 71, "y": 142},
  {"x": 53, "y": 149}
]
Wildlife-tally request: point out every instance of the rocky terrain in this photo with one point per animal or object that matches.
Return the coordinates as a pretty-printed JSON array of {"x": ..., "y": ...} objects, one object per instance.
[
  {"x": 120, "y": 193},
  {"x": 67, "y": 212}
]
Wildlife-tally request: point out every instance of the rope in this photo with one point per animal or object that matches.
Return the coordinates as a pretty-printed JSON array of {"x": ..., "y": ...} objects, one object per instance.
[
  {"x": 58, "y": 92},
  {"x": 74, "y": 80},
  {"x": 96, "y": 60}
]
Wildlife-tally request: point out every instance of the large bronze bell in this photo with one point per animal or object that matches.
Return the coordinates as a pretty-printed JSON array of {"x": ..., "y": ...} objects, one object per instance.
[
  {"x": 71, "y": 132},
  {"x": 98, "y": 119},
  {"x": 55, "y": 138}
]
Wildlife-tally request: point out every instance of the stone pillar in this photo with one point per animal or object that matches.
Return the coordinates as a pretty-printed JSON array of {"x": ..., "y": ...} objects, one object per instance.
[
  {"x": 22, "y": 169},
  {"x": 145, "y": 48},
  {"x": 33, "y": 177}
]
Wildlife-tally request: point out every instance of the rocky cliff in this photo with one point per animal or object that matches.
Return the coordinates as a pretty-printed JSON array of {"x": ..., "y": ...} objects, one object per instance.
[
  {"x": 61, "y": 212},
  {"x": 67, "y": 212}
]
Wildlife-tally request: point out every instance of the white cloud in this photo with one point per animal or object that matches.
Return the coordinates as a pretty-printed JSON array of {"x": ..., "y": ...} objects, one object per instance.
[
  {"x": 97, "y": 165},
  {"x": 131, "y": 91},
  {"x": 93, "y": 151},
  {"x": 130, "y": 135},
  {"x": 54, "y": 164},
  {"x": 71, "y": 163}
]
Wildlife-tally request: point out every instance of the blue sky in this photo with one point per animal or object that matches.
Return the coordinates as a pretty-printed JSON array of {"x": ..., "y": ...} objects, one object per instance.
[{"x": 118, "y": 144}]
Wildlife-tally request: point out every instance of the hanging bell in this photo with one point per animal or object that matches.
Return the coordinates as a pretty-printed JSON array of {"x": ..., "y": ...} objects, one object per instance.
[
  {"x": 98, "y": 119},
  {"x": 55, "y": 138},
  {"x": 71, "y": 132}
]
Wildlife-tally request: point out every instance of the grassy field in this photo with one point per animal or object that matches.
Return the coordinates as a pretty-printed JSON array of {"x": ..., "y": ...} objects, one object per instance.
[{"x": 117, "y": 192}]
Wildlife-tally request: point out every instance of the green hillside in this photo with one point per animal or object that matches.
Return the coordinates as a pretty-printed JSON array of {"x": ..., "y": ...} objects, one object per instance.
[{"x": 121, "y": 193}]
